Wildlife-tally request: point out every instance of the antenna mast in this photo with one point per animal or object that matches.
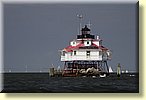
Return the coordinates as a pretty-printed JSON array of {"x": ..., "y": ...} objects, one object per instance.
[
  {"x": 89, "y": 25},
  {"x": 80, "y": 20}
]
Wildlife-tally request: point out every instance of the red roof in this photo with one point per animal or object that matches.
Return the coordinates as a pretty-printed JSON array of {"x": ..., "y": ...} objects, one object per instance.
[
  {"x": 103, "y": 48},
  {"x": 71, "y": 48},
  {"x": 100, "y": 47}
]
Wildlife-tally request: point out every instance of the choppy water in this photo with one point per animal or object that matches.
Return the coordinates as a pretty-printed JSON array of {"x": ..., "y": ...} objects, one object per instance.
[{"x": 41, "y": 82}]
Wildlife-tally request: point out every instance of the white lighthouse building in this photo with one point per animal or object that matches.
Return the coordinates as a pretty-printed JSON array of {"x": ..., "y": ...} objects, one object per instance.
[{"x": 85, "y": 55}]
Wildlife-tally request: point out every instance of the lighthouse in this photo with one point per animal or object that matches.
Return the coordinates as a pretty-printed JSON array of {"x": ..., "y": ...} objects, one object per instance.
[{"x": 85, "y": 55}]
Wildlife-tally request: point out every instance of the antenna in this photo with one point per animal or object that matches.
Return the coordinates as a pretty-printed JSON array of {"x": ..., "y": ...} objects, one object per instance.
[
  {"x": 89, "y": 24},
  {"x": 80, "y": 24}
]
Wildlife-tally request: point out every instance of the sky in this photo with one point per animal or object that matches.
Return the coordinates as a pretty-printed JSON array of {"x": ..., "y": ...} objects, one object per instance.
[{"x": 34, "y": 33}]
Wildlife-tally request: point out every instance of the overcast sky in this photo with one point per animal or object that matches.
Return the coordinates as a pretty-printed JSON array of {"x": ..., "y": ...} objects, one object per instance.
[{"x": 33, "y": 33}]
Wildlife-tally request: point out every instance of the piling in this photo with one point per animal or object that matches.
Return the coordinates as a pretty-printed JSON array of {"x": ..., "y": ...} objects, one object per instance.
[
  {"x": 119, "y": 70},
  {"x": 51, "y": 72}
]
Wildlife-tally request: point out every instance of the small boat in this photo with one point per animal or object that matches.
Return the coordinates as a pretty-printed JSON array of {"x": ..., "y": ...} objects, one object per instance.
[
  {"x": 110, "y": 69},
  {"x": 102, "y": 75},
  {"x": 10, "y": 71},
  {"x": 131, "y": 75},
  {"x": 126, "y": 71},
  {"x": 93, "y": 76},
  {"x": 123, "y": 71}
]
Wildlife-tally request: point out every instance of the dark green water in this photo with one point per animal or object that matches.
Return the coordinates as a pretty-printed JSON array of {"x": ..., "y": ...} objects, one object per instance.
[{"x": 42, "y": 83}]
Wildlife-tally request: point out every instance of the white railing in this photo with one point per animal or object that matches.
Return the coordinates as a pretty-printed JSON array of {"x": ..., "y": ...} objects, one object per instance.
[{"x": 81, "y": 57}]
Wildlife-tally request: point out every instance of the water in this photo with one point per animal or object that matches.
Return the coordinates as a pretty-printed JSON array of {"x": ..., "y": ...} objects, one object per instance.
[{"x": 42, "y": 83}]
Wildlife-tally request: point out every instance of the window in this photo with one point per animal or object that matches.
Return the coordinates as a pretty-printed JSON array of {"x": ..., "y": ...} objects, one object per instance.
[
  {"x": 88, "y": 53},
  {"x": 87, "y": 42},
  {"x": 75, "y": 52},
  {"x": 63, "y": 53}
]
